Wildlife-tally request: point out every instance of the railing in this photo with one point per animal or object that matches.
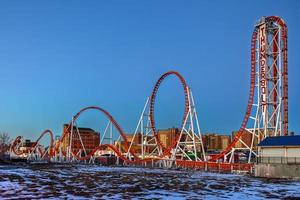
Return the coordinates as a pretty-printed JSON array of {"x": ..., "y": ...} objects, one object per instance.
[
  {"x": 213, "y": 166},
  {"x": 279, "y": 160}
]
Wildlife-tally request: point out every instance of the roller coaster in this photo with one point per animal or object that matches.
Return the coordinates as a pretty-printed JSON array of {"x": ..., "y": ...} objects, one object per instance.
[{"x": 266, "y": 116}]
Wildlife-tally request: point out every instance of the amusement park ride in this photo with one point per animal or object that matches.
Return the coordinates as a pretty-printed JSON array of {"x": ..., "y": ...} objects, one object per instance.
[{"x": 266, "y": 115}]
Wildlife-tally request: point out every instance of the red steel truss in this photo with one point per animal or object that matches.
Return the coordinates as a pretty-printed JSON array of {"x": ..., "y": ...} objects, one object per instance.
[
  {"x": 276, "y": 65},
  {"x": 277, "y": 30},
  {"x": 167, "y": 150}
]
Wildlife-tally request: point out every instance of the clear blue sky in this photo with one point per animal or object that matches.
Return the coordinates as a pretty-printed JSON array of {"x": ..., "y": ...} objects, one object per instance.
[{"x": 59, "y": 56}]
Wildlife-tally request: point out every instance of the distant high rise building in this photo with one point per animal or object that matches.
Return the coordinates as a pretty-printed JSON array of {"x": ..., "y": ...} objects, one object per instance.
[
  {"x": 136, "y": 142},
  {"x": 168, "y": 136},
  {"x": 213, "y": 141},
  {"x": 246, "y": 138}
]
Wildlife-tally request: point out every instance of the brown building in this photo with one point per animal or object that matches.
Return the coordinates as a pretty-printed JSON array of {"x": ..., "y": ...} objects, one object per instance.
[
  {"x": 89, "y": 137},
  {"x": 168, "y": 136},
  {"x": 137, "y": 139},
  {"x": 224, "y": 141},
  {"x": 246, "y": 137},
  {"x": 214, "y": 141},
  {"x": 136, "y": 142}
]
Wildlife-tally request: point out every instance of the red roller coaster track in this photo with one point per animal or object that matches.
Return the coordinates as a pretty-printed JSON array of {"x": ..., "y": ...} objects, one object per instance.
[
  {"x": 14, "y": 144},
  {"x": 113, "y": 148},
  {"x": 18, "y": 140},
  {"x": 252, "y": 85},
  {"x": 166, "y": 150},
  {"x": 121, "y": 132}
]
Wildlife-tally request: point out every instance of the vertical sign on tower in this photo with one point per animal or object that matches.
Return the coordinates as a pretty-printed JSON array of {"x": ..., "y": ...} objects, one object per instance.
[{"x": 263, "y": 66}]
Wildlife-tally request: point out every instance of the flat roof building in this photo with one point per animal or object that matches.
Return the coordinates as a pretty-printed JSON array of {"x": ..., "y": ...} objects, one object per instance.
[
  {"x": 280, "y": 149},
  {"x": 279, "y": 157}
]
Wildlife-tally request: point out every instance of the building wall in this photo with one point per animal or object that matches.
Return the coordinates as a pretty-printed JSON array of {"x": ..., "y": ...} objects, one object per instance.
[
  {"x": 89, "y": 137},
  {"x": 272, "y": 152},
  {"x": 293, "y": 152},
  {"x": 137, "y": 139},
  {"x": 246, "y": 137},
  {"x": 224, "y": 141},
  {"x": 214, "y": 141},
  {"x": 168, "y": 136},
  {"x": 277, "y": 170},
  {"x": 280, "y": 151},
  {"x": 136, "y": 145}
]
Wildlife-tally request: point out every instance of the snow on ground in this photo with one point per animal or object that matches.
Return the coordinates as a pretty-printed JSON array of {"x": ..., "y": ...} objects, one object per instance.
[{"x": 95, "y": 182}]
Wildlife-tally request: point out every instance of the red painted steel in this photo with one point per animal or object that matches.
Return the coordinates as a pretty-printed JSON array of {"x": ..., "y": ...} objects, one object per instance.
[
  {"x": 252, "y": 85},
  {"x": 250, "y": 100},
  {"x": 14, "y": 144},
  {"x": 18, "y": 140},
  {"x": 167, "y": 150},
  {"x": 112, "y": 120},
  {"x": 49, "y": 132},
  {"x": 213, "y": 166}
]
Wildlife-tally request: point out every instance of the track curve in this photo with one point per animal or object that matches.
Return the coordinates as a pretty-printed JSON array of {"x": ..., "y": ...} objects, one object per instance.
[
  {"x": 16, "y": 141},
  {"x": 252, "y": 85},
  {"x": 51, "y": 145},
  {"x": 34, "y": 145},
  {"x": 166, "y": 150},
  {"x": 112, "y": 120}
]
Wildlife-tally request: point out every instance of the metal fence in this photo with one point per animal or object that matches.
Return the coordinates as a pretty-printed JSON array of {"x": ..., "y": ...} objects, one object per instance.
[{"x": 279, "y": 160}]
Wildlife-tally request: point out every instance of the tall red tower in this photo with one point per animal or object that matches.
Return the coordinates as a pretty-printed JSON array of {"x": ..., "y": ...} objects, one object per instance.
[{"x": 267, "y": 108}]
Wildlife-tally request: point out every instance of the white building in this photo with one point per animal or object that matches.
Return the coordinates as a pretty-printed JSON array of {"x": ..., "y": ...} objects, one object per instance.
[{"x": 281, "y": 149}]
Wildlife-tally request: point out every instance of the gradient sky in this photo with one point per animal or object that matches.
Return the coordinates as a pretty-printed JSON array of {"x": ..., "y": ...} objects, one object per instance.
[{"x": 57, "y": 57}]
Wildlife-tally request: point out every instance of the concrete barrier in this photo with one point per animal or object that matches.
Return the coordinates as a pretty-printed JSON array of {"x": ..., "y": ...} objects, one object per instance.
[{"x": 277, "y": 170}]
